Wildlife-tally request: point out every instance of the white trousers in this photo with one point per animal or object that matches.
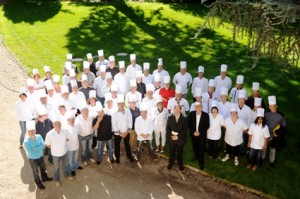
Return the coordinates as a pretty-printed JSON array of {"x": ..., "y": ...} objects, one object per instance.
[{"x": 160, "y": 133}]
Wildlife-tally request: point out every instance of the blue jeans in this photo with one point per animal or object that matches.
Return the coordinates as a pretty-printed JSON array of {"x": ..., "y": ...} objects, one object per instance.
[
  {"x": 23, "y": 131},
  {"x": 86, "y": 145},
  {"x": 73, "y": 156},
  {"x": 255, "y": 157},
  {"x": 36, "y": 165},
  {"x": 65, "y": 164},
  {"x": 100, "y": 149}
]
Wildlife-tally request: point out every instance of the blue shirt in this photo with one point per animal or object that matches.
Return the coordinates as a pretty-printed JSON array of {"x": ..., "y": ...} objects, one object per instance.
[{"x": 34, "y": 148}]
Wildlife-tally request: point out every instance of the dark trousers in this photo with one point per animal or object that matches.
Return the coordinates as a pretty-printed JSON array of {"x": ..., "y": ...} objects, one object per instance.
[
  {"x": 213, "y": 148},
  {"x": 118, "y": 140},
  {"x": 255, "y": 157},
  {"x": 175, "y": 149},
  {"x": 235, "y": 150},
  {"x": 47, "y": 151},
  {"x": 195, "y": 143},
  {"x": 35, "y": 165},
  {"x": 199, "y": 148}
]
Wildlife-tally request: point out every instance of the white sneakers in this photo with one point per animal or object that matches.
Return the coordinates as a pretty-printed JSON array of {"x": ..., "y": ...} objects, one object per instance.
[
  {"x": 85, "y": 163},
  {"x": 236, "y": 162},
  {"x": 225, "y": 159},
  {"x": 92, "y": 160},
  {"x": 57, "y": 184}
]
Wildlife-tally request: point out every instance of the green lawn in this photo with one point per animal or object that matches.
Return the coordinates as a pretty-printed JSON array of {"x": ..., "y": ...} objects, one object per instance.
[{"x": 42, "y": 33}]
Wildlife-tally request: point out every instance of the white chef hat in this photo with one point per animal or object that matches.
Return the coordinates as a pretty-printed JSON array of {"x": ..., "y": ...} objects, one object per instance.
[
  {"x": 132, "y": 56},
  {"x": 242, "y": 94},
  {"x": 41, "y": 93},
  {"x": 272, "y": 100},
  {"x": 100, "y": 53},
  {"x": 55, "y": 118},
  {"x": 214, "y": 103},
  {"x": 49, "y": 85},
  {"x": 73, "y": 83},
  {"x": 46, "y": 69},
  {"x": 108, "y": 97},
  {"x": 114, "y": 87},
  {"x": 143, "y": 106},
  {"x": 146, "y": 66},
  {"x": 260, "y": 112},
  {"x": 23, "y": 90},
  {"x": 86, "y": 65},
  {"x": 120, "y": 98},
  {"x": 200, "y": 69},
  {"x": 92, "y": 93},
  {"x": 255, "y": 86},
  {"x": 72, "y": 72},
  {"x": 108, "y": 75},
  {"x": 132, "y": 98},
  {"x": 132, "y": 83},
  {"x": 139, "y": 74},
  {"x": 233, "y": 107},
  {"x": 35, "y": 71},
  {"x": 41, "y": 110},
  {"x": 224, "y": 91},
  {"x": 103, "y": 68},
  {"x": 211, "y": 82},
  {"x": 156, "y": 78},
  {"x": 158, "y": 99},
  {"x": 111, "y": 58},
  {"x": 182, "y": 64},
  {"x": 257, "y": 101},
  {"x": 178, "y": 89},
  {"x": 84, "y": 77},
  {"x": 30, "y": 82},
  {"x": 70, "y": 114},
  {"x": 198, "y": 92},
  {"x": 30, "y": 125},
  {"x": 56, "y": 78},
  {"x": 64, "y": 89},
  {"x": 240, "y": 79},
  {"x": 167, "y": 79},
  {"x": 89, "y": 56},
  {"x": 69, "y": 56},
  {"x": 160, "y": 62},
  {"x": 83, "y": 105},
  {"x": 99, "y": 106},
  {"x": 68, "y": 65},
  {"x": 121, "y": 64},
  {"x": 150, "y": 87},
  {"x": 198, "y": 104},
  {"x": 223, "y": 67}
]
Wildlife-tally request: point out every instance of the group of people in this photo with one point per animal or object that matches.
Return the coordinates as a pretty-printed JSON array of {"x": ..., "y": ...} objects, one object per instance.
[{"x": 106, "y": 103}]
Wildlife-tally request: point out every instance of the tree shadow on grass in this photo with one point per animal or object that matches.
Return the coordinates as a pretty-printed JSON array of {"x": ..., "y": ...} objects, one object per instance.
[{"x": 19, "y": 11}]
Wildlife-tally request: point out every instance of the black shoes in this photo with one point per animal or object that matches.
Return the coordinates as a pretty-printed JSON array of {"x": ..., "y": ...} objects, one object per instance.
[
  {"x": 201, "y": 167},
  {"x": 272, "y": 164},
  {"x": 181, "y": 168},
  {"x": 73, "y": 173},
  {"x": 40, "y": 185},
  {"x": 79, "y": 168},
  {"x": 169, "y": 167},
  {"x": 194, "y": 159},
  {"x": 98, "y": 162},
  {"x": 47, "y": 179},
  {"x": 131, "y": 159},
  {"x": 112, "y": 161},
  {"x": 118, "y": 161}
]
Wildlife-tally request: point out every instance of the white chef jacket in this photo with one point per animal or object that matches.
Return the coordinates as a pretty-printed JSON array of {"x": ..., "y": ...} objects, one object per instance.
[
  {"x": 131, "y": 71},
  {"x": 234, "y": 94},
  {"x": 121, "y": 121},
  {"x": 162, "y": 73},
  {"x": 224, "y": 109},
  {"x": 206, "y": 101},
  {"x": 98, "y": 83},
  {"x": 24, "y": 110},
  {"x": 219, "y": 83},
  {"x": 110, "y": 111},
  {"x": 138, "y": 96},
  {"x": 184, "y": 81},
  {"x": 148, "y": 79},
  {"x": 78, "y": 98},
  {"x": 73, "y": 143},
  {"x": 92, "y": 111},
  {"x": 259, "y": 133},
  {"x": 58, "y": 142},
  {"x": 245, "y": 113},
  {"x": 160, "y": 119},
  {"x": 85, "y": 126},
  {"x": 234, "y": 131},
  {"x": 63, "y": 120},
  {"x": 199, "y": 83},
  {"x": 183, "y": 103},
  {"x": 214, "y": 132},
  {"x": 142, "y": 126},
  {"x": 151, "y": 105},
  {"x": 122, "y": 82}
]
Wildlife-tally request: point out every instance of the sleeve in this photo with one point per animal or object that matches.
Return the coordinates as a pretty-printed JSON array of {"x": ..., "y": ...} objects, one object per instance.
[
  {"x": 129, "y": 120},
  {"x": 41, "y": 142},
  {"x": 175, "y": 79},
  {"x": 48, "y": 139},
  {"x": 222, "y": 122},
  {"x": 190, "y": 79},
  {"x": 114, "y": 123},
  {"x": 186, "y": 106},
  {"x": 27, "y": 147},
  {"x": 137, "y": 126},
  {"x": 193, "y": 87},
  {"x": 250, "y": 132},
  {"x": 266, "y": 132},
  {"x": 168, "y": 127},
  {"x": 183, "y": 130}
]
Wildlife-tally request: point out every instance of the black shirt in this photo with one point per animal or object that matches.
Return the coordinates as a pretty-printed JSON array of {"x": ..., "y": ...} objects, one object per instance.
[
  {"x": 104, "y": 131},
  {"x": 43, "y": 128}
]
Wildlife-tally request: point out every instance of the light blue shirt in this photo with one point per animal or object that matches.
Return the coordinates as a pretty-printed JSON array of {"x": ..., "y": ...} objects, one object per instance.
[{"x": 34, "y": 148}]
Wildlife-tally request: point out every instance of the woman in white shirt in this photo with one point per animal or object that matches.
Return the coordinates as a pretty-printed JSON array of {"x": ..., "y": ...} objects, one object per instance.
[
  {"x": 235, "y": 127},
  {"x": 258, "y": 140},
  {"x": 214, "y": 132}
]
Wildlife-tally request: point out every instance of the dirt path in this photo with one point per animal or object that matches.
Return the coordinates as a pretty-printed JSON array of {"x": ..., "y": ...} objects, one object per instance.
[{"x": 146, "y": 179}]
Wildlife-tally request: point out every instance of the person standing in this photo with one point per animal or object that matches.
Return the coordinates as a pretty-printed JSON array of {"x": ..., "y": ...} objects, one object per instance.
[
  {"x": 222, "y": 80},
  {"x": 255, "y": 94},
  {"x": 198, "y": 125},
  {"x": 57, "y": 140},
  {"x": 160, "y": 71},
  {"x": 199, "y": 82},
  {"x": 122, "y": 125},
  {"x": 133, "y": 67},
  {"x": 166, "y": 92},
  {"x": 113, "y": 69},
  {"x": 135, "y": 112},
  {"x": 178, "y": 100},
  {"x": 235, "y": 92},
  {"x": 209, "y": 96},
  {"x": 122, "y": 80},
  {"x": 183, "y": 78},
  {"x": 176, "y": 133},
  {"x": 34, "y": 146}
]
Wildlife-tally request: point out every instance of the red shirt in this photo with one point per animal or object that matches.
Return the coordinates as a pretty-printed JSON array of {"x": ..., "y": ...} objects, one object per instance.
[{"x": 167, "y": 94}]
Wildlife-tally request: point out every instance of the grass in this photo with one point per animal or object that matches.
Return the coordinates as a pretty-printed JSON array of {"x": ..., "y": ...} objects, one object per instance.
[{"x": 41, "y": 33}]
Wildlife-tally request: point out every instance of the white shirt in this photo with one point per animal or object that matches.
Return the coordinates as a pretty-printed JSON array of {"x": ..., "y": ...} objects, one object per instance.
[
  {"x": 131, "y": 71},
  {"x": 24, "y": 110},
  {"x": 192, "y": 107},
  {"x": 245, "y": 113},
  {"x": 224, "y": 109},
  {"x": 183, "y": 80},
  {"x": 183, "y": 103},
  {"x": 73, "y": 143},
  {"x": 138, "y": 96},
  {"x": 121, "y": 121},
  {"x": 110, "y": 111},
  {"x": 234, "y": 131},
  {"x": 151, "y": 106},
  {"x": 206, "y": 101},
  {"x": 160, "y": 119},
  {"x": 54, "y": 99},
  {"x": 85, "y": 126},
  {"x": 122, "y": 82},
  {"x": 66, "y": 79},
  {"x": 162, "y": 73},
  {"x": 234, "y": 94},
  {"x": 63, "y": 120},
  {"x": 98, "y": 83},
  {"x": 58, "y": 142},
  {"x": 198, "y": 117},
  {"x": 142, "y": 126},
  {"x": 104, "y": 89},
  {"x": 90, "y": 78},
  {"x": 148, "y": 79},
  {"x": 259, "y": 134},
  {"x": 78, "y": 98},
  {"x": 219, "y": 83},
  {"x": 69, "y": 104},
  {"x": 199, "y": 83},
  {"x": 104, "y": 62},
  {"x": 92, "y": 111},
  {"x": 214, "y": 132},
  {"x": 39, "y": 85}
]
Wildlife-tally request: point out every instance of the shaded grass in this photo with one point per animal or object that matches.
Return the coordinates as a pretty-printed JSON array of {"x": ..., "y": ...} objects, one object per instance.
[{"x": 153, "y": 30}]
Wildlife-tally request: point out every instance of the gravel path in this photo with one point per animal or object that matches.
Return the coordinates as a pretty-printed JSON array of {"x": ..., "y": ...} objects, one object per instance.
[{"x": 146, "y": 179}]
